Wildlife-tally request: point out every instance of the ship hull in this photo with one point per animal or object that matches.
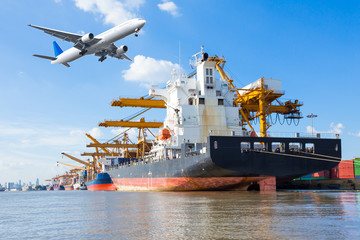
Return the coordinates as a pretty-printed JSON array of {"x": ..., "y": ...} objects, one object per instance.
[
  {"x": 187, "y": 183},
  {"x": 225, "y": 166},
  {"x": 59, "y": 188},
  {"x": 102, "y": 182},
  {"x": 71, "y": 187}
]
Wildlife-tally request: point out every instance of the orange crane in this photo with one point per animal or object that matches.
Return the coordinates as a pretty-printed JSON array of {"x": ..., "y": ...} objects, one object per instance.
[
  {"x": 69, "y": 165},
  {"x": 141, "y": 102},
  {"x": 90, "y": 167}
]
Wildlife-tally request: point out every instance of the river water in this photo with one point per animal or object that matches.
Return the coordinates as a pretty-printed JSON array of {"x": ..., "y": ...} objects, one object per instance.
[{"x": 185, "y": 215}]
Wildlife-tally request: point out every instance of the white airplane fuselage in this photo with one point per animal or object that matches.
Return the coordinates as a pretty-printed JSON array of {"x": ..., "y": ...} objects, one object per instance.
[{"x": 107, "y": 38}]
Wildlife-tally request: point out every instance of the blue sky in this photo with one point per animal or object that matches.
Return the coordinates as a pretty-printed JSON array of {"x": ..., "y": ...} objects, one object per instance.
[{"x": 312, "y": 46}]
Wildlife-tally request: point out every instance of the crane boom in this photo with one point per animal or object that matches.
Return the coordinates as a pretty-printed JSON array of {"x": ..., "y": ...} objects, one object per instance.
[
  {"x": 140, "y": 124},
  {"x": 69, "y": 165},
  {"x": 95, "y": 141},
  {"x": 112, "y": 145},
  {"x": 133, "y": 102},
  {"x": 77, "y": 160},
  {"x": 102, "y": 154}
]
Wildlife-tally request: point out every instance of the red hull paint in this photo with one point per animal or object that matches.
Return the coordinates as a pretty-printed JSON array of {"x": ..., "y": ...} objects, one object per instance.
[
  {"x": 193, "y": 184},
  {"x": 102, "y": 187}
]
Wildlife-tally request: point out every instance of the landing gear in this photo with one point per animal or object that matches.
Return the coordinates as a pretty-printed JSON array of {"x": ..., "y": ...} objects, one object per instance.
[
  {"x": 102, "y": 59},
  {"x": 82, "y": 52},
  {"x": 136, "y": 32}
]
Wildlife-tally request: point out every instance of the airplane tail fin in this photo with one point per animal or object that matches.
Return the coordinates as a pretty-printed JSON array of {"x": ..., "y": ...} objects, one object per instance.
[{"x": 57, "y": 49}]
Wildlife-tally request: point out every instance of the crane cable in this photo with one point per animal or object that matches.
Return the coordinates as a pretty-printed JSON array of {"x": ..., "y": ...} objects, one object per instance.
[
  {"x": 319, "y": 155},
  {"x": 285, "y": 154}
]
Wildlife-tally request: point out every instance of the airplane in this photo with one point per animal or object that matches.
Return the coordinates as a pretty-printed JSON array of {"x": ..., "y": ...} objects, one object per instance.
[{"x": 101, "y": 45}]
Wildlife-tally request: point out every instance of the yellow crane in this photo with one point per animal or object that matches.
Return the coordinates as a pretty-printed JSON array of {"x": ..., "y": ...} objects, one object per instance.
[
  {"x": 142, "y": 145},
  {"x": 73, "y": 166},
  {"x": 140, "y": 124},
  {"x": 258, "y": 101},
  {"x": 91, "y": 167},
  {"x": 138, "y": 102}
]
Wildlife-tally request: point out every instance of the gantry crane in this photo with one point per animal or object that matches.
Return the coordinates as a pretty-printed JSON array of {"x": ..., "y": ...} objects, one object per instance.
[
  {"x": 91, "y": 167},
  {"x": 142, "y": 146},
  {"x": 258, "y": 101}
]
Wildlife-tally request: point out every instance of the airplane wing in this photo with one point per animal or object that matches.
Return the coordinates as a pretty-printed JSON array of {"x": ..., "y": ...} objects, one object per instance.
[
  {"x": 111, "y": 51},
  {"x": 70, "y": 37}
]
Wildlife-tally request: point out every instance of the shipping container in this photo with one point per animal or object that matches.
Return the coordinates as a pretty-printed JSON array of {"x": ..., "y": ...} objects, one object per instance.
[
  {"x": 307, "y": 177},
  {"x": 345, "y": 169},
  {"x": 322, "y": 175},
  {"x": 116, "y": 161},
  {"x": 357, "y": 167}
]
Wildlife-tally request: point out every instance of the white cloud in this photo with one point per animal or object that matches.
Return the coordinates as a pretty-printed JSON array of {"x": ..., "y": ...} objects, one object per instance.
[
  {"x": 356, "y": 134},
  {"x": 132, "y": 133},
  {"x": 334, "y": 128},
  {"x": 57, "y": 1},
  {"x": 149, "y": 71},
  {"x": 170, "y": 7},
  {"x": 309, "y": 129},
  {"x": 112, "y": 11},
  {"x": 9, "y": 130},
  {"x": 96, "y": 133}
]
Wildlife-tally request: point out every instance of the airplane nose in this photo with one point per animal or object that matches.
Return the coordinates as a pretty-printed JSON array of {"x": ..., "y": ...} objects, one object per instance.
[{"x": 142, "y": 21}]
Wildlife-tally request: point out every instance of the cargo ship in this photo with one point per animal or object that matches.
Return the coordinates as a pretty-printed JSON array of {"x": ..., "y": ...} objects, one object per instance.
[
  {"x": 204, "y": 143},
  {"x": 102, "y": 182}
]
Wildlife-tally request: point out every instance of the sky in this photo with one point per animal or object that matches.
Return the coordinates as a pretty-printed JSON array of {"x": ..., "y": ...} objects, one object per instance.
[{"x": 312, "y": 46}]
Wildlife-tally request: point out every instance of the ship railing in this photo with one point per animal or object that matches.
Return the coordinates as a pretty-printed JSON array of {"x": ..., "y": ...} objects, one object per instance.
[
  {"x": 304, "y": 135},
  {"x": 329, "y": 135},
  {"x": 228, "y": 133},
  {"x": 196, "y": 153}
]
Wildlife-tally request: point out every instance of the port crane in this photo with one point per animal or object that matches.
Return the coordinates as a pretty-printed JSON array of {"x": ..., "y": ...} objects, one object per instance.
[
  {"x": 258, "y": 101},
  {"x": 143, "y": 146},
  {"x": 91, "y": 167}
]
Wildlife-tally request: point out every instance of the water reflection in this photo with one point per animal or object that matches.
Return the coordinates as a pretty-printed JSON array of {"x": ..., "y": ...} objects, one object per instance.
[{"x": 199, "y": 215}]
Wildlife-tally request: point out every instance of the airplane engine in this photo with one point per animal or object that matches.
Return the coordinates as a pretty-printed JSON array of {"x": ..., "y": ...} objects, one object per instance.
[
  {"x": 121, "y": 50},
  {"x": 87, "y": 38}
]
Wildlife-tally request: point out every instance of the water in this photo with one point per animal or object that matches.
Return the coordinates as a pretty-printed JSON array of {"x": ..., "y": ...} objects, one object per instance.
[{"x": 199, "y": 215}]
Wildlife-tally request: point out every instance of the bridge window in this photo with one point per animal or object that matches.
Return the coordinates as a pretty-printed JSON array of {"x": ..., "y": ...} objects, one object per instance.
[
  {"x": 201, "y": 100},
  {"x": 220, "y": 101},
  {"x": 209, "y": 76}
]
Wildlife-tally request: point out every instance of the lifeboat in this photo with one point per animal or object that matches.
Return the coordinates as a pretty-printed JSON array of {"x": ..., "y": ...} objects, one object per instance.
[{"x": 164, "y": 134}]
